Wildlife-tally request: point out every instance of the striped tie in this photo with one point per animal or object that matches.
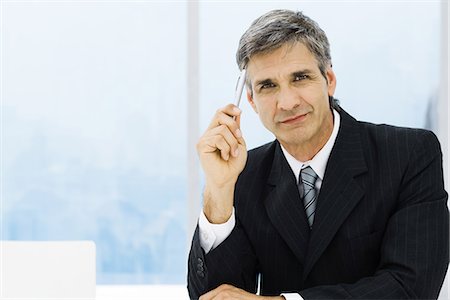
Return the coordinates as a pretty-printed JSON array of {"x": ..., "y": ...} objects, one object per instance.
[{"x": 308, "y": 192}]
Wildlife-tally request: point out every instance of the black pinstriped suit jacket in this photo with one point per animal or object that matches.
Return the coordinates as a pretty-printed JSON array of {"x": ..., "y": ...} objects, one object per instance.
[{"x": 380, "y": 231}]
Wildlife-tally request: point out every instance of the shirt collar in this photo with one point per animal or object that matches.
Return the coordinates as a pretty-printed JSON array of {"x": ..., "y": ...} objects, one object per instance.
[{"x": 319, "y": 162}]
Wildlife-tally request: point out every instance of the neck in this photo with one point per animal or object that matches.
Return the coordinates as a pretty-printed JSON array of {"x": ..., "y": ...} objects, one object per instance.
[{"x": 307, "y": 150}]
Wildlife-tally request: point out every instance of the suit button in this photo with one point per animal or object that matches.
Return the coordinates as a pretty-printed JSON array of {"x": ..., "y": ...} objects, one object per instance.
[
  {"x": 200, "y": 261},
  {"x": 200, "y": 274}
]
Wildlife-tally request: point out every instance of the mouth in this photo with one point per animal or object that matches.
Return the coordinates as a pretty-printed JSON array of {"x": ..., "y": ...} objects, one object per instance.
[{"x": 294, "y": 119}]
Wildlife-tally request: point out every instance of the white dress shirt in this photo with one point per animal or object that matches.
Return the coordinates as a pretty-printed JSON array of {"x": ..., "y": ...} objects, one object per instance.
[{"x": 212, "y": 235}]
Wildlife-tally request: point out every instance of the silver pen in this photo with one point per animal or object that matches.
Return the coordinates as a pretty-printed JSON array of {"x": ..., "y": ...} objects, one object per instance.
[{"x": 240, "y": 88}]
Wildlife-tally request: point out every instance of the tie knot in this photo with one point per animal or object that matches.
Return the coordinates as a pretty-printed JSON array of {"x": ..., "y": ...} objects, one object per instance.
[{"x": 308, "y": 176}]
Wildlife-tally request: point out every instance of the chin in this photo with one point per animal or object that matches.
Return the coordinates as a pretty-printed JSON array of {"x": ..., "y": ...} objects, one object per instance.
[{"x": 293, "y": 139}]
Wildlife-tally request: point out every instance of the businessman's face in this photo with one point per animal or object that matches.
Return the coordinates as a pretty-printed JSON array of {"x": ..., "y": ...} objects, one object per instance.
[{"x": 291, "y": 97}]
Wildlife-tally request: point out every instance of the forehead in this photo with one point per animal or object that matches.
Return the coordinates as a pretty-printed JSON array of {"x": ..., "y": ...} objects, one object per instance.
[{"x": 288, "y": 58}]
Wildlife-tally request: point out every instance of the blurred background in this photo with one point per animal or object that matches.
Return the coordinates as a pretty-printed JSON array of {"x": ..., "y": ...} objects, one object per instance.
[{"x": 103, "y": 102}]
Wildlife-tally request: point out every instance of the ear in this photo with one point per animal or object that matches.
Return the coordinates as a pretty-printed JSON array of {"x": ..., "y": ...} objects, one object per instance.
[
  {"x": 250, "y": 100},
  {"x": 331, "y": 79}
]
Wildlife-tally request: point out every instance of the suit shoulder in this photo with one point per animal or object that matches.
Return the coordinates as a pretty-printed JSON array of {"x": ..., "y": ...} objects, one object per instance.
[
  {"x": 263, "y": 148},
  {"x": 390, "y": 132},
  {"x": 259, "y": 159},
  {"x": 259, "y": 154},
  {"x": 396, "y": 137}
]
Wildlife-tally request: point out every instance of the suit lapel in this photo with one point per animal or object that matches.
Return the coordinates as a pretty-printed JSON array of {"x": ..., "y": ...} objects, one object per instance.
[
  {"x": 340, "y": 191},
  {"x": 284, "y": 207}
]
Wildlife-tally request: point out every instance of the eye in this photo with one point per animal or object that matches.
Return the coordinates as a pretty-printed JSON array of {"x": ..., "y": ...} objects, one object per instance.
[
  {"x": 301, "y": 77},
  {"x": 267, "y": 85}
]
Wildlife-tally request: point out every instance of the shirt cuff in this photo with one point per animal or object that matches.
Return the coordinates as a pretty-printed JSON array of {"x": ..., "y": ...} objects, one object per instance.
[
  {"x": 292, "y": 296},
  {"x": 212, "y": 235}
]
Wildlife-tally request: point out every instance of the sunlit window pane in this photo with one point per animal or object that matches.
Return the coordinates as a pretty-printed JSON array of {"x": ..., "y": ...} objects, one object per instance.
[{"x": 94, "y": 134}]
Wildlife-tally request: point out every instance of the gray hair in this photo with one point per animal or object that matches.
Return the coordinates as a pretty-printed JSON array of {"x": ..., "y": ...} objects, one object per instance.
[{"x": 279, "y": 27}]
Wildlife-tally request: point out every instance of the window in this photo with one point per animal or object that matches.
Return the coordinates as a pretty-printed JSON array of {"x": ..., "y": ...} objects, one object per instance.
[
  {"x": 95, "y": 111},
  {"x": 94, "y": 132}
]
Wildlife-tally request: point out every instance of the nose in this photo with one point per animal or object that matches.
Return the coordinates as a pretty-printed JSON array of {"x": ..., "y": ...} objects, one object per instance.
[{"x": 288, "y": 99}]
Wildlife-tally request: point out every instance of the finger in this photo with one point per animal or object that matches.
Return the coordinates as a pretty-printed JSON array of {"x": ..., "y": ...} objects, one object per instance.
[
  {"x": 225, "y": 116},
  {"x": 238, "y": 121},
  {"x": 226, "y": 134},
  {"x": 209, "y": 143},
  {"x": 213, "y": 293},
  {"x": 232, "y": 110},
  {"x": 231, "y": 123},
  {"x": 213, "y": 144},
  {"x": 210, "y": 295},
  {"x": 241, "y": 142},
  {"x": 223, "y": 147},
  {"x": 239, "y": 134}
]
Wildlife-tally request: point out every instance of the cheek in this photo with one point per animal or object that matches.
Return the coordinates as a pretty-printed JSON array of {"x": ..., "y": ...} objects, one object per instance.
[
  {"x": 317, "y": 98},
  {"x": 266, "y": 113},
  {"x": 264, "y": 106}
]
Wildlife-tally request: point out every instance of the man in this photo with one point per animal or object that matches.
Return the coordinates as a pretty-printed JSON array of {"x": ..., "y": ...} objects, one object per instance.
[{"x": 334, "y": 208}]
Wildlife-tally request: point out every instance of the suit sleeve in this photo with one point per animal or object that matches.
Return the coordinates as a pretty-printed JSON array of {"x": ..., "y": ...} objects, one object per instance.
[
  {"x": 415, "y": 247},
  {"x": 232, "y": 262}
]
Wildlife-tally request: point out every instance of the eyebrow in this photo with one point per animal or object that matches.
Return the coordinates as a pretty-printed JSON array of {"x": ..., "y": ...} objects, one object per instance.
[
  {"x": 292, "y": 75},
  {"x": 262, "y": 82},
  {"x": 301, "y": 72}
]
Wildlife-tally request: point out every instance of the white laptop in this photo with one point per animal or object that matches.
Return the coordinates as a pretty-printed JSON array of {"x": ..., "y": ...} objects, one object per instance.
[{"x": 47, "y": 270}]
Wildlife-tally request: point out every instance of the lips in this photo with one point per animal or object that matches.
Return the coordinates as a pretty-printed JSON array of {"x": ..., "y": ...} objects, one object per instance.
[{"x": 294, "y": 119}]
